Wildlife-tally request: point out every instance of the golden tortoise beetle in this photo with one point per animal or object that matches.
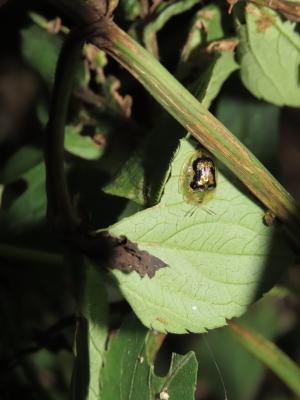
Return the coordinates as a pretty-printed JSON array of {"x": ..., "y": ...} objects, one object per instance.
[{"x": 198, "y": 177}]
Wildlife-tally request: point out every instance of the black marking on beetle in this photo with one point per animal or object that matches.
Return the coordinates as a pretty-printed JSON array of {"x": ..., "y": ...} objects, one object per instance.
[{"x": 204, "y": 175}]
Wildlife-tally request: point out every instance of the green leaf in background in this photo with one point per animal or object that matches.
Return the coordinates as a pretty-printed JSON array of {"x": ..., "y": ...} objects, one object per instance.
[
  {"x": 130, "y": 180},
  {"x": 125, "y": 372},
  {"x": 19, "y": 163},
  {"x": 217, "y": 256},
  {"x": 164, "y": 12},
  {"x": 180, "y": 382},
  {"x": 206, "y": 26},
  {"x": 129, "y": 374},
  {"x": 269, "y": 53},
  {"x": 95, "y": 310},
  {"x": 261, "y": 136},
  {"x": 143, "y": 175},
  {"x": 29, "y": 209},
  {"x": 130, "y": 9},
  {"x": 81, "y": 146},
  {"x": 120, "y": 105},
  {"x": 50, "y": 364},
  {"x": 40, "y": 49},
  {"x": 91, "y": 336},
  {"x": 216, "y": 74}
]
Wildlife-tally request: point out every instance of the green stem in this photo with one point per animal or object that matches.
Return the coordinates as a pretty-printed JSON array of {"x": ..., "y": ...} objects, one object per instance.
[
  {"x": 194, "y": 117},
  {"x": 269, "y": 354},
  {"x": 59, "y": 206}
]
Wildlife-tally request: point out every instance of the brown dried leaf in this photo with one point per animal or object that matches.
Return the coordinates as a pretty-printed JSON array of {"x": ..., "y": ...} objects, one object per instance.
[
  {"x": 222, "y": 45},
  {"x": 127, "y": 257}
]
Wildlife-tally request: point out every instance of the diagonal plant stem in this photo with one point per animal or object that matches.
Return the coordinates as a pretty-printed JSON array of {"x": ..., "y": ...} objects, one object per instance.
[{"x": 269, "y": 354}]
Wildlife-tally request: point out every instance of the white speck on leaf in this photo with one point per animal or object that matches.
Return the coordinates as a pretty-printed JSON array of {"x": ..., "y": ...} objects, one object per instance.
[{"x": 164, "y": 395}]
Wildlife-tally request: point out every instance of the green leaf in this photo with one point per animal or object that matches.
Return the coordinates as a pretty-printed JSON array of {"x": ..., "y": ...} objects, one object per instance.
[
  {"x": 120, "y": 105},
  {"x": 129, "y": 182},
  {"x": 269, "y": 54},
  {"x": 130, "y": 8},
  {"x": 206, "y": 26},
  {"x": 164, "y": 13},
  {"x": 217, "y": 256},
  {"x": 180, "y": 382},
  {"x": 41, "y": 49},
  {"x": 128, "y": 374},
  {"x": 29, "y": 209},
  {"x": 211, "y": 18},
  {"x": 261, "y": 136},
  {"x": 19, "y": 163},
  {"x": 216, "y": 74},
  {"x": 91, "y": 336},
  {"x": 81, "y": 146},
  {"x": 95, "y": 310},
  {"x": 125, "y": 372}
]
